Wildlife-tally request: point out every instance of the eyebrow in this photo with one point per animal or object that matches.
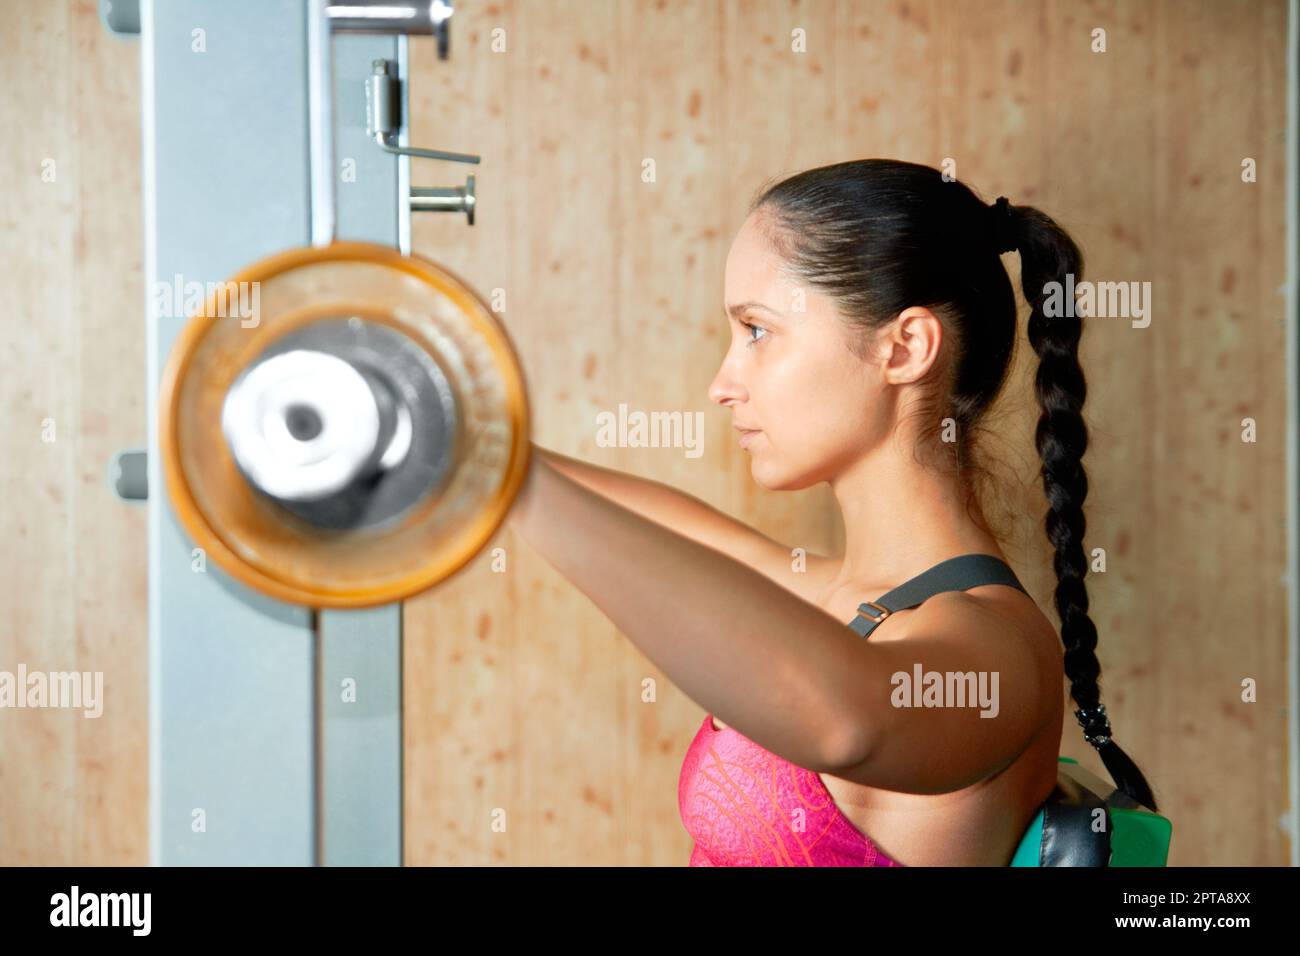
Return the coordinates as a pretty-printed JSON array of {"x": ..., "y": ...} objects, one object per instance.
[{"x": 739, "y": 307}]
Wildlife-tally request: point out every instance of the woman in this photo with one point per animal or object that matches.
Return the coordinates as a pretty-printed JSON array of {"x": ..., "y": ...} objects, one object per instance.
[{"x": 873, "y": 324}]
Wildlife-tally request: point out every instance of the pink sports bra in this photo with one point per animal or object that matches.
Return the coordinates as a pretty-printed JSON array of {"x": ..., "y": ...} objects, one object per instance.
[{"x": 745, "y": 806}]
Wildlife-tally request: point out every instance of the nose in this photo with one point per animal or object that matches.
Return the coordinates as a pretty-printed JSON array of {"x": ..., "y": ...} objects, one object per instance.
[{"x": 726, "y": 387}]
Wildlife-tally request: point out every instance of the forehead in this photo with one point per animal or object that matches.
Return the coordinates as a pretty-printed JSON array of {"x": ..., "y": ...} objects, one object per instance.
[{"x": 755, "y": 270}]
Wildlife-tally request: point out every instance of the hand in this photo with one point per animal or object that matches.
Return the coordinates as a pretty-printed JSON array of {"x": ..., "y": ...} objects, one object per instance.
[{"x": 522, "y": 504}]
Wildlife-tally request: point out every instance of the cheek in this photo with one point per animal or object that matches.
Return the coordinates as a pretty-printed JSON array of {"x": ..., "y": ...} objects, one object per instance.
[{"x": 818, "y": 407}]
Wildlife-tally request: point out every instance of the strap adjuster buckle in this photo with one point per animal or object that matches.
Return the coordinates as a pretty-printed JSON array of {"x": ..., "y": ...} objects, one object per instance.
[{"x": 884, "y": 611}]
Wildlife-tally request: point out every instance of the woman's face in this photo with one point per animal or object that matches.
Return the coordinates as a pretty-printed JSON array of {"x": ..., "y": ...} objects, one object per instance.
[{"x": 789, "y": 372}]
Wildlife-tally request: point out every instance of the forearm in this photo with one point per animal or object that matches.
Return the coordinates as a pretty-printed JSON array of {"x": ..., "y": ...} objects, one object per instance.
[
  {"x": 651, "y": 499},
  {"x": 774, "y": 666}
]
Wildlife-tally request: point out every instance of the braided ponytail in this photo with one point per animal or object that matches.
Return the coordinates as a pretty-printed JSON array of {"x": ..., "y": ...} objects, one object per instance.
[{"x": 1048, "y": 254}]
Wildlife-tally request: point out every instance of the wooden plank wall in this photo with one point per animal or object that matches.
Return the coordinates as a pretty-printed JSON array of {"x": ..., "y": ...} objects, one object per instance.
[
  {"x": 521, "y": 698},
  {"x": 73, "y": 790}
]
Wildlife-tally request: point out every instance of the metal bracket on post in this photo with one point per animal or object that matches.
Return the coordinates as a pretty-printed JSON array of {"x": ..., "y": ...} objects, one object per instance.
[
  {"x": 384, "y": 119},
  {"x": 128, "y": 474},
  {"x": 383, "y": 101},
  {"x": 120, "y": 17},
  {"x": 403, "y": 17}
]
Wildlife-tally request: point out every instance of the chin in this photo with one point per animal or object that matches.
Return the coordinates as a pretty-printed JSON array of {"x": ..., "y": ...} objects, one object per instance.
[{"x": 777, "y": 479}]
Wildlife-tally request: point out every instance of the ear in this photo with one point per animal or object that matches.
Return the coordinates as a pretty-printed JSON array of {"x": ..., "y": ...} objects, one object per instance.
[{"x": 910, "y": 345}]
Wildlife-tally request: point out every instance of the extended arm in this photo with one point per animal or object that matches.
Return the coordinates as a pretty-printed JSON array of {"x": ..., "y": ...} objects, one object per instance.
[
  {"x": 764, "y": 660},
  {"x": 775, "y": 667}
]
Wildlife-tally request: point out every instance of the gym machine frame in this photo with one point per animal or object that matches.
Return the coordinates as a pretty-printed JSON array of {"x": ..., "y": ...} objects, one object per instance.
[{"x": 253, "y": 756}]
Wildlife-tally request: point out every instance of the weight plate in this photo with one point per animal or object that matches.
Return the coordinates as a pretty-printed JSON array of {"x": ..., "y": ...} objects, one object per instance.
[{"x": 357, "y": 439}]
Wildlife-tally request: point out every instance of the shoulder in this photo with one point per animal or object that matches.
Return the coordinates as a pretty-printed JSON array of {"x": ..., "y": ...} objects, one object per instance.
[
  {"x": 1003, "y": 616},
  {"x": 1000, "y": 606},
  {"x": 956, "y": 635}
]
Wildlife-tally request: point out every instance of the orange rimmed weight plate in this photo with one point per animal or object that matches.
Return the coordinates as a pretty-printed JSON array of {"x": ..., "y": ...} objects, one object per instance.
[{"x": 253, "y": 536}]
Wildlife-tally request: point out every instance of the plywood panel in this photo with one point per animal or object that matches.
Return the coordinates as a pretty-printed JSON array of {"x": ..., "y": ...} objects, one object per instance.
[
  {"x": 73, "y": 789},
  {"x": 1136, "y": 151}
]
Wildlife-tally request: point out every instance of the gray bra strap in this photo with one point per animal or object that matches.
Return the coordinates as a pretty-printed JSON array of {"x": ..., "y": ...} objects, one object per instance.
[{"x": 955, "y": 574}]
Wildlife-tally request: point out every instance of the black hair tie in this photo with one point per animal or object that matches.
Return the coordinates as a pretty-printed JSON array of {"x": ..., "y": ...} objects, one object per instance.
[
  {"x": 1003, "y": 226},
  {"x": 1096, "y": 726}
]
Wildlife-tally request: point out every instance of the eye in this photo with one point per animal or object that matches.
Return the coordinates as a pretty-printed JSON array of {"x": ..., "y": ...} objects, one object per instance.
[{"x": 753, "y": 328}]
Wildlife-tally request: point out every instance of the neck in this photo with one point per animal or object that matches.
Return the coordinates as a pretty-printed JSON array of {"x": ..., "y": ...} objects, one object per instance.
[{"x": 901, "y": 518}]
